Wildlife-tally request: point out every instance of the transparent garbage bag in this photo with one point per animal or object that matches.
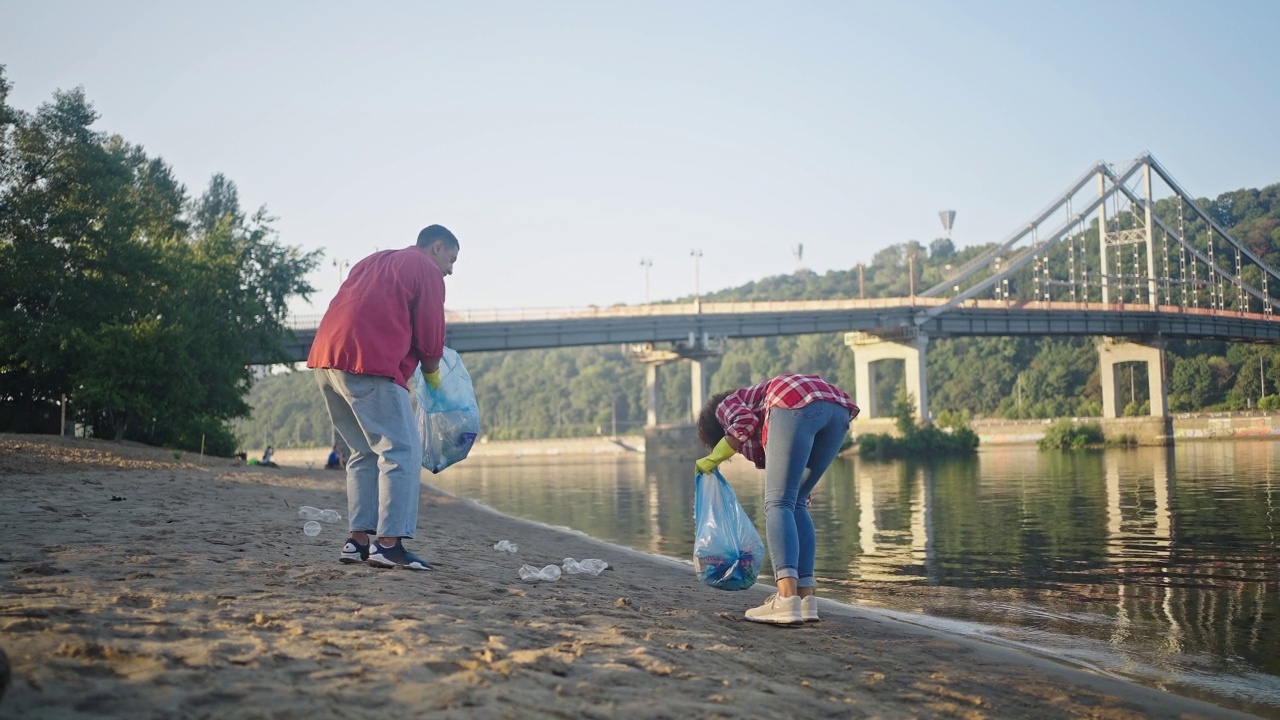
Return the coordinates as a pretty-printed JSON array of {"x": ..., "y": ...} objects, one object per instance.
[
  {"x": 727, "y": 549},
  {"x": 448, "y": 416}
]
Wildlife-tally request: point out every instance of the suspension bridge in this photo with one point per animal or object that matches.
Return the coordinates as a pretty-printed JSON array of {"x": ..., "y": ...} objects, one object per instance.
[{"x": 1125, "y": 254}]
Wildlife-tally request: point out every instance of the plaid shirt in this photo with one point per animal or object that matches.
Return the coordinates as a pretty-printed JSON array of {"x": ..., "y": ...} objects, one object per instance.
[{"x": 744, "y": 414}]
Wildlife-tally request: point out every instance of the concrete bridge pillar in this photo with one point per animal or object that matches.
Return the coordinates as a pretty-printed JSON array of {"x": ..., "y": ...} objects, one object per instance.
[
  {"x": 907, "y": 346},
  {"x": 1112, "y": 352},
  {"x": 652, "y": 394},
  {"x": 697, "y": 387},
  {"x": 696, "y": 350}
]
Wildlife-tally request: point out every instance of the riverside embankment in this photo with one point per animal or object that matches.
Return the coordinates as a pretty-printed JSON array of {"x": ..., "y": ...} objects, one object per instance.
[{"x": 1150, "y": 431}]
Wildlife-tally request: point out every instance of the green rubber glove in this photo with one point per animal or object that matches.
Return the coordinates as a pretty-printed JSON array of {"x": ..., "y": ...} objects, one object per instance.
[
  {"x": 718, "y": 455},
  {"x": 432, "y": 378}
]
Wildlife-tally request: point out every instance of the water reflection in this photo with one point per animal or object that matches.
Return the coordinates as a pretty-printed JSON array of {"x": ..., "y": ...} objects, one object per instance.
[{"x": 1158, "y": 564}]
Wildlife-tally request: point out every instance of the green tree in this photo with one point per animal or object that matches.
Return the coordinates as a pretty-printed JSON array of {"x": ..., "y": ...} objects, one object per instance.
[
  {"x": 117, "y": 292},
  {"x": 74, "y": 247},
  {"x": 1191, "y": 384}
]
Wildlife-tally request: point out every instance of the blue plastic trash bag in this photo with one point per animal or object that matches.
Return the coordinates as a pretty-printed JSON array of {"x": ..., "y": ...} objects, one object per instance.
[
  {"x": 727, "y": 549},
  {"x": 448, "y": 416}
]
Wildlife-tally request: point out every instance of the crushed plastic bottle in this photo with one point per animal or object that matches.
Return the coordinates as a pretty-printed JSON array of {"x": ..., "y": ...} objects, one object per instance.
[
  {"x": 306, "y": 512},
  {"x": 330, "y": 516},
  {"x": 506, "y": 546},
  {"x": 591, "y": 566},
  {"x": 533, "y": 574},
  {"x": 311, "y": 528}
]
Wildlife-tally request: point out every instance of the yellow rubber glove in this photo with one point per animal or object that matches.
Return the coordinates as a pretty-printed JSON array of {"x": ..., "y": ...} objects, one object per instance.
[
  {"x": 432, "y": 378},
  {"x": 719, "y": 454}
]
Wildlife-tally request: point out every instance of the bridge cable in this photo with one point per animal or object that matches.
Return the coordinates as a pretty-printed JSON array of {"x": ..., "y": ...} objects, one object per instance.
[
  {"x": 1137, "y": 279},
  {"x": 1084, "y": 262},
  {"x": 1242, "y": 305},
  {"x": 1213, "y": 282},
  {"x": 1195, "y": 278},
  {"x": 1182, "y": 253},
  {"x": 1164, "y": 253}
]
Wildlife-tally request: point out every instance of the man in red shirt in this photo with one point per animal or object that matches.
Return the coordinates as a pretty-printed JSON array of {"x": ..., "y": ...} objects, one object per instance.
[
  {"x": 793, "y": 427},
  {"x": 386, "y": 319}
]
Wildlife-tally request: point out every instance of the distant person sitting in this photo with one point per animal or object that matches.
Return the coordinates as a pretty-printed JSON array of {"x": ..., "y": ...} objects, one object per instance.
[
  {"x": 335, "y": 461},
  {"x": 267, "y": 456}
]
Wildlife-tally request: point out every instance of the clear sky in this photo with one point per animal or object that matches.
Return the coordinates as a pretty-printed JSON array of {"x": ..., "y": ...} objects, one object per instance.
[{"x": 564, "y": 142}]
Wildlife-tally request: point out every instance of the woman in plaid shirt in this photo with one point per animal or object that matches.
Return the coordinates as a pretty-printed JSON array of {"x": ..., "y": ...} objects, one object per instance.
[{"x": 792, "y": 426}]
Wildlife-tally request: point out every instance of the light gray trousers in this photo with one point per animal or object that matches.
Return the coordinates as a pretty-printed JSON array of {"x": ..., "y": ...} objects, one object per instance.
[{"x": 374, "y": 416}]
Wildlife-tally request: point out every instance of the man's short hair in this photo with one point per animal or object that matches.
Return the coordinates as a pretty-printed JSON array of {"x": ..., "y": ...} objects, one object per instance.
[{"x": 432, "y": 233}]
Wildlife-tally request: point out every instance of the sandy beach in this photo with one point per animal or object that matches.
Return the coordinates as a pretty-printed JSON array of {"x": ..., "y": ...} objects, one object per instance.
[{"x": 139, "y": 584}]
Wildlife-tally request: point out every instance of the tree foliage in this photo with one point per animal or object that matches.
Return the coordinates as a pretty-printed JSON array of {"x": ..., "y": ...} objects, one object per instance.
[
  {"x": 915, "y": 439},
  {"x": 139, "y": 305},
  {"x": 1066, "y": 435}
]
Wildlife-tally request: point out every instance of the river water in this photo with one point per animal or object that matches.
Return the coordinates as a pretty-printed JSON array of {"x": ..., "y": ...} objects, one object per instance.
[{"x": 1161, "y": 565}]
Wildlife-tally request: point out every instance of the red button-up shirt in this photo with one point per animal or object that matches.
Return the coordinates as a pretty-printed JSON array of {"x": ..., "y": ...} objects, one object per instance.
[
  {"x": 386, "y": 318},
  {"x": 744, "y": 414}
]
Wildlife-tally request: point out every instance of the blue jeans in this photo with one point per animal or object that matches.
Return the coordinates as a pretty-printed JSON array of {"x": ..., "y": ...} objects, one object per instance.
[
  {"x": 806, "y": 438},
  {"x": 375, "y": 418}
]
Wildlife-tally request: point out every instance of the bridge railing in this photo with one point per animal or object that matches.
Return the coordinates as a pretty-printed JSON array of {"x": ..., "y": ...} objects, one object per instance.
[
  {"x": 310, "y": 322},
  {"x": 298, "y": 322}
]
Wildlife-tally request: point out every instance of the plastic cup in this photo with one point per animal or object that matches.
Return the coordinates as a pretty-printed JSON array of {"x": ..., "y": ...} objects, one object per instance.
[
  {"x": 532, "y": 574},
  {"x": 311, "y": 528},
  {"x": 590, "y": 567}
]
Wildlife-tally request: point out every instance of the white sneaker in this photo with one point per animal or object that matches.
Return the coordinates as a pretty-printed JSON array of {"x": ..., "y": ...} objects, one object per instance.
[
  {"x": 777, "y": 611},
  {"x": 809, "y": 608}
]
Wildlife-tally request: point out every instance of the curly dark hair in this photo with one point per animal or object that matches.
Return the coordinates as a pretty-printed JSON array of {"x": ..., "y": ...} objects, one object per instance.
[{"x": 710, "y": 431}]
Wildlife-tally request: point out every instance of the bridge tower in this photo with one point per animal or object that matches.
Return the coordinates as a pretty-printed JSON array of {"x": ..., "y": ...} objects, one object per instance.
[
  {"x": 1145, "y": 235},
  {"x": 904, "y": 343}
]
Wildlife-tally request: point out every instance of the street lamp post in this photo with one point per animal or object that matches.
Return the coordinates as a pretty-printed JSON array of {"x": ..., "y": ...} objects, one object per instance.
[
  {"x": 697, "y": 296},
  {"x": 342, "y": 266},
  {"x": 646, "y": 263}
]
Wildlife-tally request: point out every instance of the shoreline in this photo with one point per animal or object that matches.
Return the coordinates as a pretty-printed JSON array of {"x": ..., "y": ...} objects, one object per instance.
[
  {"x": 1185, "y": 428},
  {"x": 195, "y": 594},
  {"x": 311, "y": 458}
]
